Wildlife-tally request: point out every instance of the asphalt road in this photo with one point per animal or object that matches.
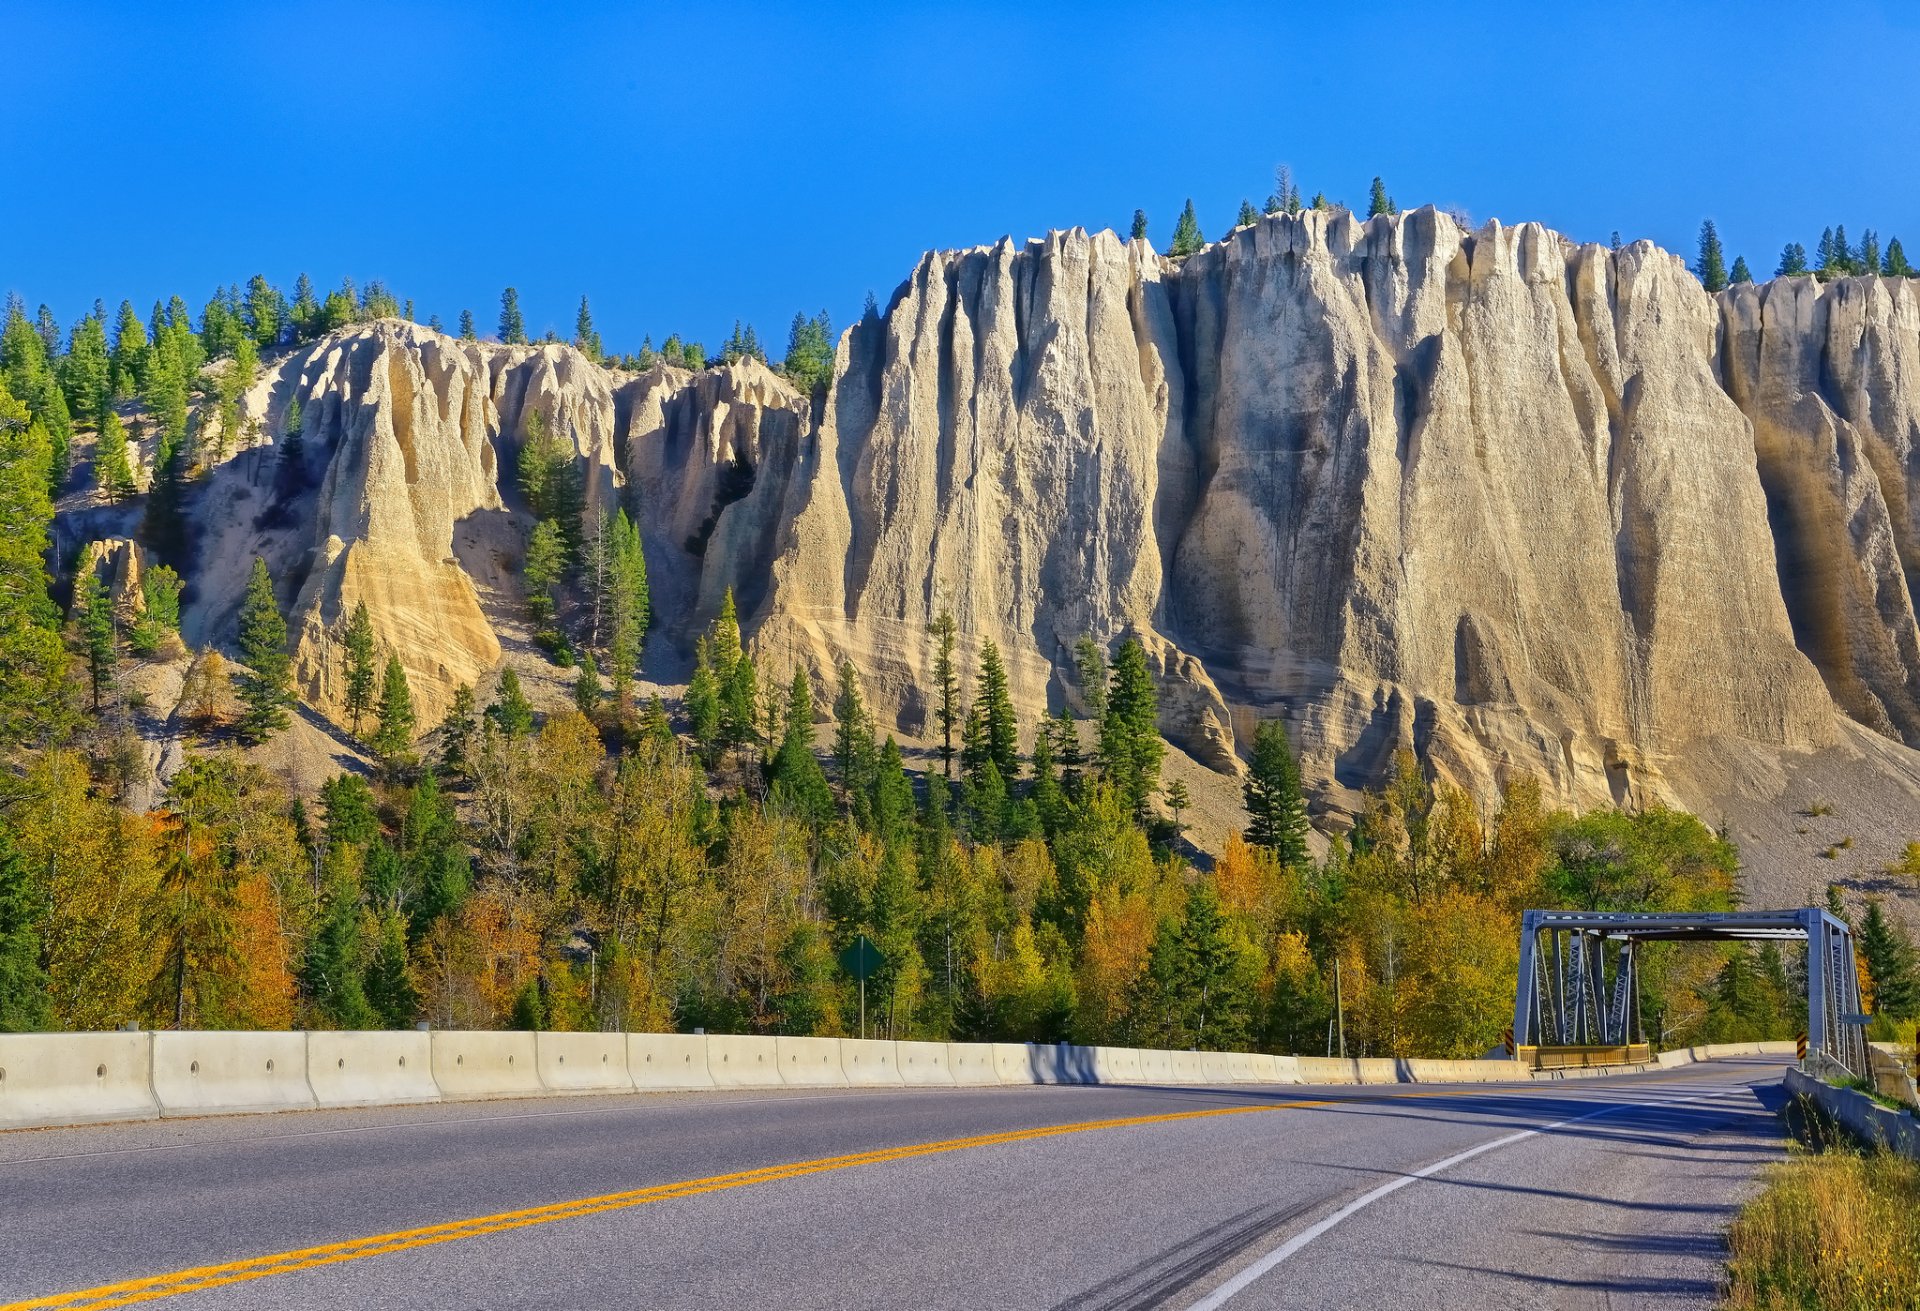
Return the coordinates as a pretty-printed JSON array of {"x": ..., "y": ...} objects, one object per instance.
[{"x": 1610, "y": 1192}]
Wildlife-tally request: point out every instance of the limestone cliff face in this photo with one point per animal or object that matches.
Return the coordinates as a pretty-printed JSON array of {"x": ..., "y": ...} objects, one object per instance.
[
  {"x": 1830, "y": 377},
  {"x": 1478, "y": 494},
  {"x": 1523, "y": 505}
]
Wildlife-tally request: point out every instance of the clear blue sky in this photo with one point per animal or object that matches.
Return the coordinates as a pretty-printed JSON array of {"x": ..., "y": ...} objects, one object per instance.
[{"x": 685, "y": 165}]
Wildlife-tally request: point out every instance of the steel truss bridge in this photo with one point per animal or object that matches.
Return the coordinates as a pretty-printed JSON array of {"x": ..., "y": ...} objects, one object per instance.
[{"x": 1580, "y": 981}]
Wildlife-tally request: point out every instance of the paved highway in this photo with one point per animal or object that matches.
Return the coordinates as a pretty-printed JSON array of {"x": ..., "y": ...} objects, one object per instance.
[{"x": 1606, "y": 1192}]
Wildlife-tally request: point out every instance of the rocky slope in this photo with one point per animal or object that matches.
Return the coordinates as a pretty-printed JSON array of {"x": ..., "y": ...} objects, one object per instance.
[{"x": 1524, "y": 505}]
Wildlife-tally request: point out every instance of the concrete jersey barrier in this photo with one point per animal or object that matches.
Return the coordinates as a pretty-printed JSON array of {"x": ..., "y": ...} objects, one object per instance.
[
  {"x": 870, "y": 1062},
  {"x": 370, "y": 1069},
  {"x": 51, "y": 1079},
  {"x": 470, "y": 1063},
  {"x": 75, "y": 1078},
  {"x": 810, "y": 1062},
  {"x": 972, "y": 1064},
  {"x": 667, "y": 1061},
  {"x": 923, "y": 1064},
  {"x": 218, "y": 1073},
  {"x": 582, "y": 1062},
  {"x": 743, "y": 1061}
]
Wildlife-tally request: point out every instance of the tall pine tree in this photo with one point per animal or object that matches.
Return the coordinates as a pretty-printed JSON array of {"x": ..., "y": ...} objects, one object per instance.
[
  {"x": 1277, "y": 812},
  {"x": 1712, "y": 265},
  {"x": 265, "y": 690}
]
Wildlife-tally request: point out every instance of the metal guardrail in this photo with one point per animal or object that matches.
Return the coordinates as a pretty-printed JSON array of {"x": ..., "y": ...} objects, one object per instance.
[{"x": 1586, "y": 1056}]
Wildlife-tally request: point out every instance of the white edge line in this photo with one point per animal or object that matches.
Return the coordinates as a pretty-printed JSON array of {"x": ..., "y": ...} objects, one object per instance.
[{"x": 1220, "y": 1296}]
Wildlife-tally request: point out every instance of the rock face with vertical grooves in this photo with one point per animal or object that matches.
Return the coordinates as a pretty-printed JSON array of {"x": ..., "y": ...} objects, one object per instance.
[{"x": 1523, "y": 505}]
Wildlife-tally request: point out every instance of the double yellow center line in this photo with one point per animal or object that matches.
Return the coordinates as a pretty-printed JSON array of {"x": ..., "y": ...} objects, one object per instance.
[{"x": 201, "y": 1278}]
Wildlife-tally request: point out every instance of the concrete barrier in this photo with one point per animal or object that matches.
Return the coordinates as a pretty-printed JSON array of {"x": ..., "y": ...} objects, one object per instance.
[
  {"x": 75, "y": 1078},
  {"x": 1115, "y": 1065},
  {"x": 662, "y": 1061},
  {"x": 1216, "y": 1067},
  {"x": 1870, "y": 1122},
  {"x": 1423, "y": 1071},
  {"x": 582, "y": 1062},
  {"x": 1155, "y": 1066},
  {"x": 1059, "y": 1062},
  {"x": 870, "y": 1062},
  {"x": 810, "y": 1062},
  {"x": 1187, "y": 1067},
  {"x": 370, "y": 1069},
  {"x": 743, "y": 1060},
  {"x": 1327, "y": 1069},
  {"x": 1286, "y": 1069},
  {"x": 1248, "y": 1067},
  {"x": 972, "y": 1064},
  {"x": 470, "y": 1063},
  {"x": 220, "y": 1073},
  {"x": 1012, "y": 1063},
  {"x": 923, "y": 1064}
]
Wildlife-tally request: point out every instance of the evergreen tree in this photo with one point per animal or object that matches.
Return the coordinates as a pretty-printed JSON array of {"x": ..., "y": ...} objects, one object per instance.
[
  {"x": 1824, "y": 252},
  {"x": 1894, "y": 264},
  {"x": 545, "y": 564},
  {"x": 393, "y": 739},
  {"x": 466, "y": 326},
  {"x": 1139, "y": 230},
  {"x": 388, "y": 987},
  {"x": 263, "y": 645},
  {"x": 357, "y": 641},
  {"x": 160, "y": 589},
  {"x": 1248, "y": 215},
  {"x": 266, "y": 312},
  {"x": 996, "y": 709},
  {"x": 739, "y": 702},
  {"x": 585, "y": 339},
  {"x": 457, "y": 729},
  {"x": 629, "y": 598},
  {"x": 25, "y": 1005},
  {"x": 304, "y": 314},
  {"x": 1090, "y": 663},
  {"x": 290, "y": 476},
  {"x": 853, "y": 744},
  {"x": 799, "y": 784},
  {"x": 1741, "y": 273},
  {"x": 551, "y": 476},
  {"x": 1793, "y": 260},
  {"x": 1130, "y": 745},
  {"x": 1275, "y": 806},
  {"x": 513, "y": 328},
  {"x": 1179, "y": 800},
  {"x": 586, "y": 686},
  {"x": 1868, "y": 260},
  {"x": 1712, "y": 265},
  {"x": 1198, "y": 995},
  {"x": 33, "y": 660},
  {"x": 946, "y": 678},
  {"x": 335, "y": 958},
  {"x": 511, "y": 712},
  {"x": 1379, "y": 202},
  {"x": 93, "y": 624},
  {"x": 1890, "y": 963},
  {"x": 112, "y": 469},
  {"x": 1186, "y": 234},
  {"x": 809, "y": 361},
  {"x": 86, "y": 372},
  {"x": 703, "y": 700},
  {"x": 128, "y": 362}
]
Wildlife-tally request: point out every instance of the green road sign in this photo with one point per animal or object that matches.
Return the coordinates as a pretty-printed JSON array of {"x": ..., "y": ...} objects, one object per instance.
[{"x": 862, "y": 959}]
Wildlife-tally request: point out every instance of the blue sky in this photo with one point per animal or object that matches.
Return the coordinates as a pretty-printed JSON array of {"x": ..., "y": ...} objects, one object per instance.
[{"x": 689, "y": 165}]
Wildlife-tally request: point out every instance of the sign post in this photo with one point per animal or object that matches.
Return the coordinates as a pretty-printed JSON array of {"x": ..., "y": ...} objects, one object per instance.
[{"x": 862, "y": 959}]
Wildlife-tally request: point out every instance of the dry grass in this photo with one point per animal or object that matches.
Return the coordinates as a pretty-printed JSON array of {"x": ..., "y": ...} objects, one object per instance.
[{"x": 1837, "y": 1230}]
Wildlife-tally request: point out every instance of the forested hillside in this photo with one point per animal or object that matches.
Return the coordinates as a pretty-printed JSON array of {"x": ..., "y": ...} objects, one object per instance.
[{"x": 697, "y": 859}]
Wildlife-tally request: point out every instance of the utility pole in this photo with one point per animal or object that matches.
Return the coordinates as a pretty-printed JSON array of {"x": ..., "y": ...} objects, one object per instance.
[{"x": 1339, "y": 1009}]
